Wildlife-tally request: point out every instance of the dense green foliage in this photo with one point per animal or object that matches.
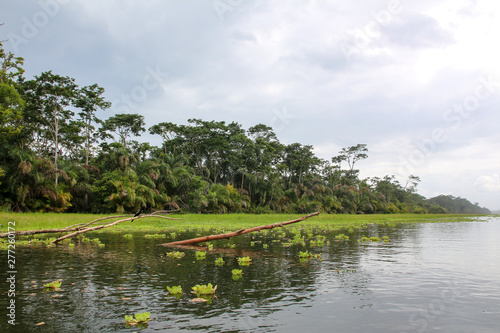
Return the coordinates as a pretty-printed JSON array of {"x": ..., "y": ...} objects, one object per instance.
[
  {"x": 455, "y": 205},
  {"x": 57, "y": 155}
]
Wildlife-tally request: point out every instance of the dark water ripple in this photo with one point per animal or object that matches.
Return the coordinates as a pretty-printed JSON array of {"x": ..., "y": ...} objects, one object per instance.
[{"x": 429, "y": 277}]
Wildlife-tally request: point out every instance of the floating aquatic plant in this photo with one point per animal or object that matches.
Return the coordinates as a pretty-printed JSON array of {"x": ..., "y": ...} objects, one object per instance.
[
  {"x": 55, "y": 285},
  {"x": 370, "y": 239},
  {"x": 155, "y": 236},
  {"x": 174, "y": 290},
  {"x": 244, "y": 261},
  {"x": 201, "y": 255},
  {"x": 316, "y": 243},
  {"x": 139, "y": 318},
  {"x": 307, "y": 255},
  {"x": 342, "y": 237},
  {"x": 96, "y": 241},
  {"x": 219, "y": 261},
  {"x": 205, "y": 289},
  {"x": 175, "y": 254},
  {"x": 297, "y": 239}
]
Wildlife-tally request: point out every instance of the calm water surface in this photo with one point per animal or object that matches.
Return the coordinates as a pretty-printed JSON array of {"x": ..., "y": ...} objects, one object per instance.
[{"x": 430, "y": 277}]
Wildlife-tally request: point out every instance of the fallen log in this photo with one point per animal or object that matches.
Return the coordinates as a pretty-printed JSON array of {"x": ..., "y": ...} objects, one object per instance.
[
  {"x": 109, "y": 225},
  {"x": 74, "y": 227},
  {"x": 84, "y": 226},
  {"x": 34, "y": 232},
  {"x": 237, "y": 233}
]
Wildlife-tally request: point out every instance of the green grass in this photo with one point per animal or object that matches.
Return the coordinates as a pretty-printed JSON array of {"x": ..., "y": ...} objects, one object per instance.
[{"x": 221, "y": 222}]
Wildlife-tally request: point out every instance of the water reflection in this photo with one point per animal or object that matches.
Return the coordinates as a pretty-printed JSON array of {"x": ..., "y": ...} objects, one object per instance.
[{"x": 426, "y": 277}]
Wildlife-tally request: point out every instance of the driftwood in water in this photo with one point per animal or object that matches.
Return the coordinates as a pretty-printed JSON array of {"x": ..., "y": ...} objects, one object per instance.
[
  {"x": 74, "y": 227},
  {"x": 83, "y": 227},
  {"x": 110, "y": 225},
  {"x": 237, "y": 233}
]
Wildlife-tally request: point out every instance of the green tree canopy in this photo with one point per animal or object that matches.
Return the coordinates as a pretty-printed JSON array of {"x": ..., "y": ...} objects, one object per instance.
[{"x": 124, "y": 125}]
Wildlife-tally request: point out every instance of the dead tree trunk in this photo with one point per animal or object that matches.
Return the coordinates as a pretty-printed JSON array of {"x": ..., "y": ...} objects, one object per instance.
[
  {"x": 109, "y": 225},
  {"x": 237, "y": 233},
  {"x": 75, "y": 227},
  {"x": 82, "y": 226}
]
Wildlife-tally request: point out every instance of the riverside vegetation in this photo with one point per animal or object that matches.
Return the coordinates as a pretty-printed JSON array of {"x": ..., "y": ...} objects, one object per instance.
[{"x": 56, "y": 155}]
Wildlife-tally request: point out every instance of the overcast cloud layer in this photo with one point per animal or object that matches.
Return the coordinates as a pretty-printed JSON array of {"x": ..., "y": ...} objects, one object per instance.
[{"x": 417, "y": 81}]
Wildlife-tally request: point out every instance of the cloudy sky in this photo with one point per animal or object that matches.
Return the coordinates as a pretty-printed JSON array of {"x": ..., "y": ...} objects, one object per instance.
[{"x": 417, "y": 81}]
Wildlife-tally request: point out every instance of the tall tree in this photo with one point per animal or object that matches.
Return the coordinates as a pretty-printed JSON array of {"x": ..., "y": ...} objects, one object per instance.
[
  {"x": 124, "y": 125},
  {"x": 11, "y": 66},
  {"x": 89, "y": 99},
  {"x": 351, "y": 155},
  {"x": 168, "y": 132},
  {"x": 48, "y": 97},
  {"x": 299, "y": 160},
  {"x": 11, "y": 102}
]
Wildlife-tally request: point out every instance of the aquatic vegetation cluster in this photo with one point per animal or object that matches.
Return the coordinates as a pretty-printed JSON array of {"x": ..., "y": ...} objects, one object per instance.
[
  {"x": 308, "y": 255},
  {"x": 342, "y": 236},
  {"x": 98, "y": 242},
  {"x": 175, "y": 254},
  {"x": 204, "y": 292},
  {"x": 43, "y": 241},
  {"x": 237, "y": 272},
  {"x": 155, "y": 236},
  {"x": 319, "y": 241},
  {"x": 27, "y": 242},
  {"x": 138, "y": 318},
  {"x": 244, "y": 261},
  {"x": 174, "y": 290},
  {"x": 298, "y": 239},
  {"x": 374, "y": 239},
  {"x": 201, "y": 255},
  {"x": 55, "y": 285},
  {"x": 85, "y": 240},
  {"x": 204, "y": 289}
]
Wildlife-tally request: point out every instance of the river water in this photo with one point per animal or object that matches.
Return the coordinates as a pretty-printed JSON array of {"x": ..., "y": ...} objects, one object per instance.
[{"x": 429, "y": 277}]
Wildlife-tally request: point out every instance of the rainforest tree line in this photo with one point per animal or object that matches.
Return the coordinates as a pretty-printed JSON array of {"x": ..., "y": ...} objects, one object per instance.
[{"x": 57, "y": 155}]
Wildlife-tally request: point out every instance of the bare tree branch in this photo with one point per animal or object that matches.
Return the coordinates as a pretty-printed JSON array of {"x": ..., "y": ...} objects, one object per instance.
[{"x": 237, "y": 233}]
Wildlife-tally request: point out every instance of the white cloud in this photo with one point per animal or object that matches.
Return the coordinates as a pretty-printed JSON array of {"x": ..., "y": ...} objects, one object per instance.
[{"x": 488, "y": 183}]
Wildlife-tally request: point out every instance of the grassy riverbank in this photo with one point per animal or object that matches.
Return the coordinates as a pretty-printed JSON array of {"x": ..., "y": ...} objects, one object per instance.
[{"x": 34, "y": 221}]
